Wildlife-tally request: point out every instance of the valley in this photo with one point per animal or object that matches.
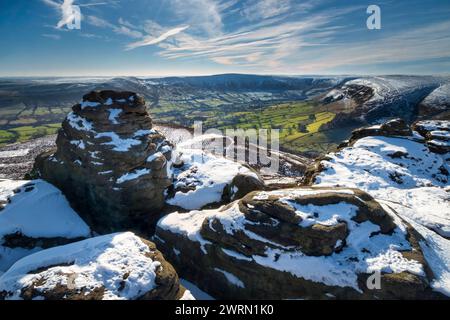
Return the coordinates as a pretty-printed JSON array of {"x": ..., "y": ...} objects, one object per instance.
[{"x": 313, "y": 114}]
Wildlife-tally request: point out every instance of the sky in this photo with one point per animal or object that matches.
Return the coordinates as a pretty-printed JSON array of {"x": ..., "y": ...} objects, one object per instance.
[{"x": 201, "y": 37}]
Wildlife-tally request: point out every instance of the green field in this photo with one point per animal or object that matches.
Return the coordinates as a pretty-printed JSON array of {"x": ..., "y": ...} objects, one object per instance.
[
  {"x": 298, "y": 123},
  {"x": 25, "y": 133}
]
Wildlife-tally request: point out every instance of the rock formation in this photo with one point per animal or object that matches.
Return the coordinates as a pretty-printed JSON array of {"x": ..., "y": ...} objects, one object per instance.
[
  {"x": 116, "y": 266},
  {"x": 320, "y": 243},
  {"x": 436, "y": 133},
  {"x": 110, "y": 163}
]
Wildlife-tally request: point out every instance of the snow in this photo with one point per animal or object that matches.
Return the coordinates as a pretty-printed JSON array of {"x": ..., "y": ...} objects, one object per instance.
[
  {"x": 326, "y": 215},
  {"x": 207, "y": 174},
  {"x": 231, "y": 278},
  {"x": 440, "y": 134},
  {"x": 236, "y": 255},
  {"x": 418, "y": 193},
  {"x": 154, "y": 156},
  {"x": 440, "y": 97},
  {"x": 91, "y": 104},
  {"x": 143, "y": 132},
  {"x": 431, "y": 125},
  {"x": 79, "y": 143},
  {"x": 186, "y": 224},
  {"x": 113, "y": 115},
  {"x": 79, "y": 123},
  {"x": 414, "y": 180},
  {"x": 380, "y": 252},
  {"x": 42, "y": 212},
  {"x": 195, "y": 291},
  {"x": 97, "y": 262},
  {"x": 132, "y": 175},
  {"x": 119, "y": 144},
  {"x": 14, "y": 153}
]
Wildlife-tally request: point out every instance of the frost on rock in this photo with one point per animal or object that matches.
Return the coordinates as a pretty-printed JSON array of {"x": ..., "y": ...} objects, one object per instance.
[
  {"x": 117, "y": 266},
  {"x": 317, "y": 240},
  {"x": 34, "y": 215}
]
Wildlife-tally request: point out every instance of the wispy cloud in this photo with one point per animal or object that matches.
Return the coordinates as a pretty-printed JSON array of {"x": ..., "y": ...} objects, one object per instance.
[
  {"x": 422, "y": 43},
  {"x": 122, "y": 28},
  {"x": 263, "y": 9},
  {"x": 52, "y": 36},
  {"x": 150, "y": 40}
]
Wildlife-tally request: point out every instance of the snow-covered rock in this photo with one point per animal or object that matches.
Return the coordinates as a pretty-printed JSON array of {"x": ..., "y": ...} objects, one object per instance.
[
  {"x": 407, "y": 176},
  {"x": 436, "y": 133},
  {"x": 110, "y": 162},
  {"x": 296, "y": 243},
  {"x": 34, "y": 215},
  {"x": 203, "y": 179},
  {"x": 116, "y": 266}
]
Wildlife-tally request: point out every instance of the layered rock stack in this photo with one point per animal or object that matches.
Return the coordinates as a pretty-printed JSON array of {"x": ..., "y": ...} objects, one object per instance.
[
  {"x": 302, "y": 243},
  {"x": 436, "y": 134},
  {"x": 110, "y": 163}
]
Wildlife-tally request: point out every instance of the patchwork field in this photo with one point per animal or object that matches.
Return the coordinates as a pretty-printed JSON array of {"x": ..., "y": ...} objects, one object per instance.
[{"x": 299, "y": 122}]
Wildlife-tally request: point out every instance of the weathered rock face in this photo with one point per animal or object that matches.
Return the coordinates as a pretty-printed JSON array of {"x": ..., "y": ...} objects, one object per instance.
[
  {"x": 117, "y": 266},
  {"x": 436, "y": 133},
  {"x": 319, "y": 243},
  {"x": 110, "y": 163},
  {"x": 395, "y": 127}
]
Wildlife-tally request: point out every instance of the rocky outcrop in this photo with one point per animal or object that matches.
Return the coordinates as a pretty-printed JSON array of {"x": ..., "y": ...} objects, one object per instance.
[
  {"x": 117, "y": 266},
  {"x": 436, "y": 134},
  {"x": 308, "y": 243},
  {"x": 410, "y": 173},
  {"x": 203, "y": 180},
  {"x": 394, "y": 127},
  {"x": 110, "y": 163}
]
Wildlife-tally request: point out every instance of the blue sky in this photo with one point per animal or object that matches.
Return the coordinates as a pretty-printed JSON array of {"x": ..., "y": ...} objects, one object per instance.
[{"x": 193, "y": 37}]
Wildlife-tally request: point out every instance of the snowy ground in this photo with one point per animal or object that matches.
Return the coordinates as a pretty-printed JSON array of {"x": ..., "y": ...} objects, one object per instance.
[
  {"x": 362, "y": 254},
  {"x": 36, "y": 209},
  {"x": 407, "y": 178}
]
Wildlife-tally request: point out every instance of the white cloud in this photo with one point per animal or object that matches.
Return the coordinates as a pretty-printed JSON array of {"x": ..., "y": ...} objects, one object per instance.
[
  {"x": 99, "y": 22},
  {"x": 423, "y": 43},
  {"x": 203, "y": 15},
  {"x": 263, "y": 9},
  {"x": 150, "y": 40},
  {"x": 122, "y": 29},
  {"x": 52, "y": 36},
  {"x": 127, "y": 32}
]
